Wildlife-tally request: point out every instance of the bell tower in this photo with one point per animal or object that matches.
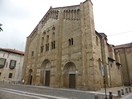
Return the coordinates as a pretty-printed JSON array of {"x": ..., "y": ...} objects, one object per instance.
[{"x": 91, "y": 71}]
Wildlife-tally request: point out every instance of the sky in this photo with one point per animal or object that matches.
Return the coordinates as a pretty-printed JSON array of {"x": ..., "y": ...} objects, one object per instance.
[{"x": 19, "y": 18}]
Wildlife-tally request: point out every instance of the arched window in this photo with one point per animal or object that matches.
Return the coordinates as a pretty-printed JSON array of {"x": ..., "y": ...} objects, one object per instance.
[
  {"x": 42, "y": 48},
  {"x": 70, "y": 41},
  {"x": 53, "y": 45},
  {"x": 42, "y": 41},
  {"x": 44, "y": 33},
  {"x": 78, "y": 13},
  {"x": 97, "y": 41},
  {"x": 53, "y": 28},
  {"x": 47, "y": 47}
]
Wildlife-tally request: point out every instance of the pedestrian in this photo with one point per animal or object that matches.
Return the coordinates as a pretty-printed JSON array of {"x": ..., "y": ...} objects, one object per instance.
[{"x": 23, "y": 81}]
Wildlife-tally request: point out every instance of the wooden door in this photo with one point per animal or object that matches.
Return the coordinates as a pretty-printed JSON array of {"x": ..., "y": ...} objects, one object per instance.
[
  {"x": 72, "y": 81},
  {"x": 31, "y": 80},
  {"x": 47, "y": 78}
]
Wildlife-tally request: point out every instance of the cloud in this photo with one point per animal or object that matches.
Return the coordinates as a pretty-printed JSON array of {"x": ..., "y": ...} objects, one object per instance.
[{"x": 19, "y": 18}]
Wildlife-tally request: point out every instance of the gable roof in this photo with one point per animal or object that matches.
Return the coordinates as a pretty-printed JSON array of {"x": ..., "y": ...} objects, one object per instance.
[
  {"x": 12, "y": 51},
  {"x": 123, "y": 46}
]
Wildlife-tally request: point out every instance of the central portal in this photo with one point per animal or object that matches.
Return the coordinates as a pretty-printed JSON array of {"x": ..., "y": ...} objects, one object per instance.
[
  {"x": 45, "y": 73},
  {"x": 69, "y": 76},
  {"x": 72, "y": 81},
  {"x": 47, "y": 78}
]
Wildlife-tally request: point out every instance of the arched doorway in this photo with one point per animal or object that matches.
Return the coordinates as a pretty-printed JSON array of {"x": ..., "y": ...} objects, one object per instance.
[
  {"x": 30, "y": 76},
  {"x": 45, "y": 73},
  {"x": 69, "y": 76}
]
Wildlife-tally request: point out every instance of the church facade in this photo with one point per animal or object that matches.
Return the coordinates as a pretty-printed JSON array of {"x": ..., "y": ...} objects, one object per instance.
[{"x": 65, "y": 51}]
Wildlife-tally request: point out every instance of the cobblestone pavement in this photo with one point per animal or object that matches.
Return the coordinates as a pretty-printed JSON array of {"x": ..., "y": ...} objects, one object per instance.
[{"x": 58, "y": 92}]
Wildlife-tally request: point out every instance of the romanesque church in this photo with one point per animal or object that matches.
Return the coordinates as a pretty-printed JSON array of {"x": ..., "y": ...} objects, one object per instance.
[{"x": 65, "y": 51}]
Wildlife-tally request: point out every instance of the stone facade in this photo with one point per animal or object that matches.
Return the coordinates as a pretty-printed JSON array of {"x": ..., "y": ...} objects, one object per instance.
[
  {"x": 11, "y": 64},
  {"x": 64, "y": 50},
  {"x": 126, "y": 61}
]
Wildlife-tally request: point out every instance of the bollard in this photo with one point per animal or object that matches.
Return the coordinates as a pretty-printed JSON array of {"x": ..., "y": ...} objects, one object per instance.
[
  {"x": 110, "y": 95},
  {"x": 119, "y": 93},
  {"x": 96, "y": 97},
  {"x": 122, "y": 91},
  {"x": 126, "y": 90},
  {"x": 130, "y": 89}
]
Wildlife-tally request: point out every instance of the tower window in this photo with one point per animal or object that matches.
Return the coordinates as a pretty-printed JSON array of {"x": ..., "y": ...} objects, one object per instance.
[
  {"x": 96, "y": 40},
  {"x": 53, "y": 28},
  {"x": 42, "y": 48},
  {"x": 32, "y": 54},
  {"x": 70, "y": 41},
  {"x": 44, "y": 32},
  {"x": 53, "y": 45},
  {"x": 42, "y": 41},
  {"x": 47, "y": 47}
]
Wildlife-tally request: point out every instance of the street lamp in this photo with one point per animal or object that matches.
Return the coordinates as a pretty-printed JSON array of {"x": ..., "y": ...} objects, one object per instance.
[{"x": 105, "y": 87}]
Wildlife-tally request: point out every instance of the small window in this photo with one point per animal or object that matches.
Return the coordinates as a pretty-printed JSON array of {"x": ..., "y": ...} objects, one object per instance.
[
  {"x": 10, "y": 75},
  {"x": 53, "y": 28},
  {"x": 53, "y": 36},
  {"x": 53, "y": 33},
  {"x": 42, "y": 48},
  {"x": 47, "y": 47},
  {"x": 53, "y": 45},
  {"x": 70, "y": 41},
  {"x": 44, "y": 32},
  {"x": 99, "y": 63},
  {"x": 97, "y": 41},
  {"x": 32, "y": 54}
]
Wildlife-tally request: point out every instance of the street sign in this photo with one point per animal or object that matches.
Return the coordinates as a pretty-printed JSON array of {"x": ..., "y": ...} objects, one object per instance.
[{"x": 102, "y": 69}]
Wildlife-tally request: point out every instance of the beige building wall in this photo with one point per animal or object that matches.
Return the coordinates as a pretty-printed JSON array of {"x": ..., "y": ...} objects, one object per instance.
[{"x": 13, "y": 74}]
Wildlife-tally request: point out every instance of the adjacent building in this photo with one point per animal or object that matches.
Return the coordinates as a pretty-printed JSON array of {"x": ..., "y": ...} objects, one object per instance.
[
  {"x": 11, "y": 64},
  {"x": 64, "y": 50},
  {"x": 125, "y": 51}
]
